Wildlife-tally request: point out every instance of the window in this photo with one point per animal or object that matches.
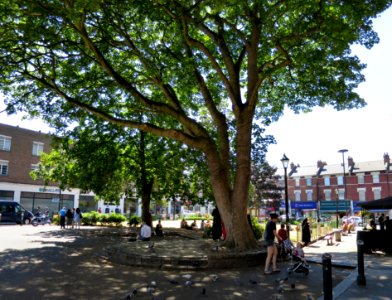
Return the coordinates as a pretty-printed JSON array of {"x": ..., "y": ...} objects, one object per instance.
[
  {"x": 327, "y": 181},
  {"x": 297, "y": 181},
  {"x": 340, "y": 180},
  {"x": 3, "y": 167},
  {"x": 361, "y": 178},
  {"x": 362, "y": 194},
  {"x": 5, "y": 143},
  {"x": 376, "y": 177},
  {"x": 297, "y": 195},
  {"x": 34, "y": 167},
  {"x": 308, "y": 181},
  {"x": 377, "y": 193},
  {"x": 309, "y": 194},
  {"x": 37, "y": 148},
  {"x": 327, "y": 194},
  {"x": 341, "y": 194}
]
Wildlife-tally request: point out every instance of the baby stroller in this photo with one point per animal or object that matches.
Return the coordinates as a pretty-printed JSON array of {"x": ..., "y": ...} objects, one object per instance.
[
  {"x": 286, "y": 249},
  {"x": 298, "y": 265}
]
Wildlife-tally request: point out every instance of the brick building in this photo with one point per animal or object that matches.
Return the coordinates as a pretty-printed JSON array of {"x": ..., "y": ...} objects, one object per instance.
[
  {"x": 19, "y": 154},
  {"x": 325, "y": 188}
]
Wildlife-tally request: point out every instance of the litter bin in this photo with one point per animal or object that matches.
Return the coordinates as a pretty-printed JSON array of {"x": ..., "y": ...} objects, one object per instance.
[{"x": 338, "y": 236}]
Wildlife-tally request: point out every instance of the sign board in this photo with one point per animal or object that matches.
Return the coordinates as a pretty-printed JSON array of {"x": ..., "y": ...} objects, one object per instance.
[{"x": 330, "y": 206}]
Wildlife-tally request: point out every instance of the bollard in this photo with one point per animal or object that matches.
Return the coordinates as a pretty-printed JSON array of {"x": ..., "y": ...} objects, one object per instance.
[
  {"x": 327, "y": 276},
  {"x": 361, "y": 279}
]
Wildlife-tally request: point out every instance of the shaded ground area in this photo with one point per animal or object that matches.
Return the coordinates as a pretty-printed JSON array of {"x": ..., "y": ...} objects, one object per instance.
[{"x": 71, "y": 264}]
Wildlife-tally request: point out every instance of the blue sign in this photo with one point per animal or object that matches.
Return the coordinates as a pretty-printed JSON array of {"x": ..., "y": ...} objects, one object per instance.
[{"x": 303, "y": 205}]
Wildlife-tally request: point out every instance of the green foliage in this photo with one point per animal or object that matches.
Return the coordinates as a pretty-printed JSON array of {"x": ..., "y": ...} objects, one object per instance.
[
  {"x": 134, "y": 220},
  {"x": 210, "y": 75},
  {"x": 90, "y": 218},
  {"x": 116, "y": 219},
  {"x": 197, "y": 217},
  {"x": 257, "y": 228},
  {"x": 93, "y": 218},
  {"x": 56, "y": 219}
]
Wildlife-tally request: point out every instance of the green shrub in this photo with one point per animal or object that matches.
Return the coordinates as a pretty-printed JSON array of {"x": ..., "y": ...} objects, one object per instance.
[
  {"x": 116, "y": 219},
  {"x": 90, "y": 218},
  {"x": 56, "y": 219},
  {"x": 134, "y": 220},
  {"x": 257, "y": 229},
  {"x": 196, "y": 217}
]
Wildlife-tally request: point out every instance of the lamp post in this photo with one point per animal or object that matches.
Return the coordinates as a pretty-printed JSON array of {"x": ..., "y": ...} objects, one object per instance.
[
  {"x": 285, "y": 163},
  {"x": 344, "y": 174}
]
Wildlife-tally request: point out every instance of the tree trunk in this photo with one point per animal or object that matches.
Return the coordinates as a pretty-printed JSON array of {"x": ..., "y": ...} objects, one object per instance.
[
  {"x": 232, "y": 198},
  {"x": 145, "y": 183}
]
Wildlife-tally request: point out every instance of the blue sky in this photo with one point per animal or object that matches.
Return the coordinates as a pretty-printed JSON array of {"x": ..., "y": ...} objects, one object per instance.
[
  {"x": 306, "y": 138},
  {"x": 366, "y": 132}
]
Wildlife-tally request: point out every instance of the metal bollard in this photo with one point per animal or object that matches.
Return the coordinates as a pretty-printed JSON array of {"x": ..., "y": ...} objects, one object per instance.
[
  {"x": 327, "y": 276},
  {"x": 361, "y": 279}
]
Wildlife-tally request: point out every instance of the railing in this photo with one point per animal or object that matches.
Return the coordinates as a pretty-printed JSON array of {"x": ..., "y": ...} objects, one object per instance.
[{"x": 317, "y": 232}]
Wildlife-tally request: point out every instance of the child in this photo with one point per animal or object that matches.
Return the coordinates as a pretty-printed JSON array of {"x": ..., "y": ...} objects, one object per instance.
[{"x": 299, "y": 252}]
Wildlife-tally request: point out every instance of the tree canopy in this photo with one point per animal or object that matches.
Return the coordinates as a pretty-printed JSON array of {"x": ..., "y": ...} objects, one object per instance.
[{"x": 199, "y": 72}]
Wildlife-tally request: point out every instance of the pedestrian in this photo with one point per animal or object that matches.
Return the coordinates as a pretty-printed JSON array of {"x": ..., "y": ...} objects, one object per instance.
[
  {"x": 272, "y": 250},
  {"x": 305, "y": 232},
  {"x": 62, "y": 214},
  {"x": 216, "y": 224},
  {"x": 69, "y": 217},
  {"x": 381, "y": 221},
  {"x": 77, "y": 218},
  {"x": 145, "y": 232},
  {"x": 388, "y": 225}
]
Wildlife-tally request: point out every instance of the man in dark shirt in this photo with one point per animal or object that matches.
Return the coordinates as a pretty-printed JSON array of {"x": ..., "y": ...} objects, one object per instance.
[{"x": 272, "y": 250}]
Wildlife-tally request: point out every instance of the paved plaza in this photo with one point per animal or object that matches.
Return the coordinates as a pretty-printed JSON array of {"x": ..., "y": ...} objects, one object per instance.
[{"x": 45, "y": 262}]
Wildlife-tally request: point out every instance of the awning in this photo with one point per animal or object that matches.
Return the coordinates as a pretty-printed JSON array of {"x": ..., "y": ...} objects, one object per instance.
[{"x": 384, "y": 203}]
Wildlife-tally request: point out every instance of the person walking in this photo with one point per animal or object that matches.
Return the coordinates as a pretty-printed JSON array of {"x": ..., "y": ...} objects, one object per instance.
[
  {"x": 272, "y": 250},
  {"x": 305, "y": 232}
]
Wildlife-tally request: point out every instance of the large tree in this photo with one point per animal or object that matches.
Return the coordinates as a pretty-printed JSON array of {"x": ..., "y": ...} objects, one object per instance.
[
  {"x": 113, "y": 161},
  {"x": 199, "y": 72}
]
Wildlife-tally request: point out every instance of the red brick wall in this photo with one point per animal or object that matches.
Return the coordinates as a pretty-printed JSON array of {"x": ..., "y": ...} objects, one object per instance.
[{"x": 20, "y": 158}]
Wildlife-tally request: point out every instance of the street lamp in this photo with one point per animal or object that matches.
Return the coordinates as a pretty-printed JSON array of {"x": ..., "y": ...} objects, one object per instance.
[
  {"x": 344, "y": 175},
  {"x": 285, "y": 163}
]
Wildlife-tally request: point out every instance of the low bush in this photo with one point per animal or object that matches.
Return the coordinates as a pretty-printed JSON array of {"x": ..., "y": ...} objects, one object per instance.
[
  {"x": 257, "y": 228},
  {"x": 134, "y": 220}
]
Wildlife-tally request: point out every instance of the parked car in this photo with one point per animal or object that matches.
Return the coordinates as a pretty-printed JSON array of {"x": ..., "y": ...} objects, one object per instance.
[
  {"x": 13, "y": 212},
  {"x": 27, "y": 217},
  {"x": 357, "y": 220},
  {"x": 354, "y": 219}
]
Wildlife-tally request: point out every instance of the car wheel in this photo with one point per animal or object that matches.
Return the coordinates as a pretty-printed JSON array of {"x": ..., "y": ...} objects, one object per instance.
[{"x": 26, "y": 221}]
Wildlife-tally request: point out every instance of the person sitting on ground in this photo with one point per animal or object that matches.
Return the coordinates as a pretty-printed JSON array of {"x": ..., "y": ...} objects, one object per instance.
[
  {"x": 299, "y": 252},
  {"x": 184, "y": 224},
  {"x": 145, "y": 232},
  {"x": 159, "y": 229},
  {"x": 194, "y": 225},
  {"x": 202, "y": 225}
]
